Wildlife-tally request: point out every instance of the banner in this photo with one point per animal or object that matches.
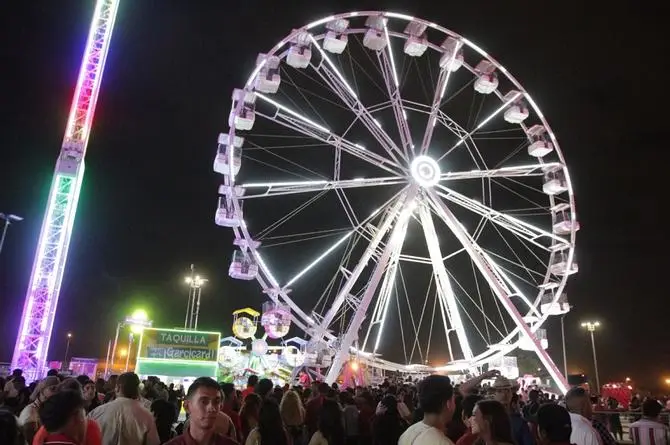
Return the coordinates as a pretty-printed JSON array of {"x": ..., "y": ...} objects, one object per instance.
[{"x": 174, "y": 344}]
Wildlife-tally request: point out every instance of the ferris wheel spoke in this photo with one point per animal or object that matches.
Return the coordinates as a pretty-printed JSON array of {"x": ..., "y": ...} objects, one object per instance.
[
  {"x": 444, "y": 289},
  {"x": 394, "y": 245},
  {"x": 522, "y": 229},
  {"x": 483, "y": 122},
  {"x": 271, "y": 189},
  {"x": 503, "y": 172},
  {"x": 388, "y": 219},
  {"x": 498, "y": 283},
  {"x": 295, "y": 121},
  {"x": 390, "y": 74},
  {"x": 374, "y": 243},
  {"x": 337, "y": 83}
]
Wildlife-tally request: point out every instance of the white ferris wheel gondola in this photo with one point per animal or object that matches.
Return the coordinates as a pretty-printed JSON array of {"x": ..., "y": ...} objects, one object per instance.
[{"x": 476, "y": 200}]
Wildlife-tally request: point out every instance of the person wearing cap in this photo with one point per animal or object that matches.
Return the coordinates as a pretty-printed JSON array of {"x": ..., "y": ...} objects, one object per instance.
[
  {"x": 503, "y": 391},
  {"x": 554, "y": 426},
  {"x": 578, "y": 403},
  {"x": 29, "y": 419}
]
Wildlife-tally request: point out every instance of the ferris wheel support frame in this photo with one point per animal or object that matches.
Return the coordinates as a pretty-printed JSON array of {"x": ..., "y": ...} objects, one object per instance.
[
  {"x": 498, "y": 284},
  {"x": 39, "y": 310},
  {"x": 395, "y": 242}
]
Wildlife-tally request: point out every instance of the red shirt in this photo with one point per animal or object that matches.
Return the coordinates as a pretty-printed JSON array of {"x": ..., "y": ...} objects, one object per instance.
[
  {"x": 234, "y": 417},
  {"x": 58, "y": 439},
  {"x": 93, "y": 434},
  {"x": 248, "y": 390},
  {"x": 468, "y": 438}
]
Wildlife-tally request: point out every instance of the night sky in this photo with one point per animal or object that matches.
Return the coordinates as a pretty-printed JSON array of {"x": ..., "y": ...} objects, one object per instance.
[{"x": 149, "y": 194}]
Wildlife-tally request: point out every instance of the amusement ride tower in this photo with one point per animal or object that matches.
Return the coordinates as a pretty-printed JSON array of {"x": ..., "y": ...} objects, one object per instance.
[{"x": 39, "y": 310}]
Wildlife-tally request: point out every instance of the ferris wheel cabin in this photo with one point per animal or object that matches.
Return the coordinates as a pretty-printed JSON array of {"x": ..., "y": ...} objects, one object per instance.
[
  {"x": 559, "y": 265},
  {"x": 550, "y": 307},
  {"x": 517, "y": 112},
  {"x": 335, "y": 41},
  {"x": 554, "y": 182},
  {"x": 243, "y": 266},
  {"x": 487, "y": 79},
  {"x": 268, "y": 78},
  {"x": 243, "y": 112},
  {"x": 300, "y": 53},
  {"x": 452, "y": 59},
  {"x": 228, "y": 147},
  {"x": 540, "y": 335},
  {"x": 563, "y": 223}
]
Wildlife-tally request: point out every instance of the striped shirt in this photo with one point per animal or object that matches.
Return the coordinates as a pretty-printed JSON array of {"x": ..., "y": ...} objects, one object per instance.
[{"x": 649, "y": 432}]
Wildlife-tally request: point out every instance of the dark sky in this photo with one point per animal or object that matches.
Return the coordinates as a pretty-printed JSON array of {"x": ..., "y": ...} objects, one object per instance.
[{"x": 147, "y": 203}]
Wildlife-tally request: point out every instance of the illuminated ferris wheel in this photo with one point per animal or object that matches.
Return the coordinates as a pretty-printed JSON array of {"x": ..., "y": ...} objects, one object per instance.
[{"x": 401, "y": 192}]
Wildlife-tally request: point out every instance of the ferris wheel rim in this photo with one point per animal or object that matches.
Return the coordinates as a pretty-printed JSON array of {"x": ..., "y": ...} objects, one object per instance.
[{"x": 266, "y": 278}]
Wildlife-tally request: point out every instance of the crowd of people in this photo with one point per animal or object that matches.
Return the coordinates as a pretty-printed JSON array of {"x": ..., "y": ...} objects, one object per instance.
[{"x": 125, "y": 411}]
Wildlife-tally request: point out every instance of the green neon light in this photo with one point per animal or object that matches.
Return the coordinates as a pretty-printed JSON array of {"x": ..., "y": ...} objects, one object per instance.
[
  {"x": 178, "y": 362},
  {"x": 186, "y": 331}
]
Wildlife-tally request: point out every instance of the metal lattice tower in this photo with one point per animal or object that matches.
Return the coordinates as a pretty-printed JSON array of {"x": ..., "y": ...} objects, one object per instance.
[{"x": 32, "y": 343}]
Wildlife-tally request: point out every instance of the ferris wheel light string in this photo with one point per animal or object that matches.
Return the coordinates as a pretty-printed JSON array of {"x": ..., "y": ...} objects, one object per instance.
[
  {"x": 293, "y": 113},
  {"x": 333, "y": 67}
]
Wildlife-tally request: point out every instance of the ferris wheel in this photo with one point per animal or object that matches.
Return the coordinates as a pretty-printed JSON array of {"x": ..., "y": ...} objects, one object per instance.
[{"x": 401, "y": 192}]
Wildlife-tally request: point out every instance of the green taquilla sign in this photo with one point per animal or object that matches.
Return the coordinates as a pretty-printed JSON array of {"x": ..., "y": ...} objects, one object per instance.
[{"x": 172, "y": 344}]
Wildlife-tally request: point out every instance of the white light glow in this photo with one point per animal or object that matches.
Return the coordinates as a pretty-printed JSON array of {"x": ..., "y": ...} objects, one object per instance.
[
  {"x": 319, "y": 258},
  {"x": 391, "y": 58},
  {"x": 425, "y": 171}
]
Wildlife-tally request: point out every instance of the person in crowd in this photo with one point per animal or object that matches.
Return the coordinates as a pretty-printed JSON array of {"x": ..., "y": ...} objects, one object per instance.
[
  {"x": 230, "y": 407},
  {"x": 252, "y": 381},
  {"x": 313, "y": 407},
  {"x": 493, "y": 423},
  {"x": 503, "y": 393},
  {"x": 366, "y": 412},
  {"x": 554, "y": 426},
  {"x": 388, "y": 424},
  {"x": 125, "y": 420},
  {"x": 249, "y": 413},
  {"x": 456, "y": 426},
  {"x": 436, "y": 398},
  {"x": 10, "y": 432},
  {"x": 351, "y": 417},
  {"x": 264, "y": 388},
  {"x": 530, "y": 409},
  {"x": 649, "y": 430},
  {"x": 270, "y": 429},
  {"x": 403, "y": 410},
  {"x": 203, "y": 405},
  {"x": 614, "y": 419},
  {"x": 578, "y": 403},
  {"x": 91, "y": 400},
  {"x": 293, "y": 415},
  {"x": 93, "y": 433},
  {"x": 330, "y": 429},
  {"x": 64, "y": 418},
  {"x": 472, "y": 432},
  {"x": 165, "y": 417},
  {"x": 29, "y": 420}
]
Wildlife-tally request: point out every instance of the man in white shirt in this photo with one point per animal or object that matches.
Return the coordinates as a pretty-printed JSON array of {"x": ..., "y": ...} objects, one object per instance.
[
  {"x": 124, "y": 421},
  {"x": 436, "y": 399},
  {"x": 579, "y": 405},
  {"x": 649, "y": 430}
]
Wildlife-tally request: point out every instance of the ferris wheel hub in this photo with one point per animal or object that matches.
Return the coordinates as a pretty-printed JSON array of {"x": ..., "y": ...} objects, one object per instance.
[{"x": 425, "y": 171}]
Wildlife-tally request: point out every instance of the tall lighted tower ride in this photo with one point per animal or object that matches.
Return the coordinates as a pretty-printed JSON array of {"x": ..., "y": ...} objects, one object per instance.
[{"x": 39, "y": 310}]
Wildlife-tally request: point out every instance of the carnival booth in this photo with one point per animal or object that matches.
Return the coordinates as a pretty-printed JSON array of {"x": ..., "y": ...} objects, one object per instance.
[
  {"x": 178, "y": 356},
  {"x": 621, "y": 392}
]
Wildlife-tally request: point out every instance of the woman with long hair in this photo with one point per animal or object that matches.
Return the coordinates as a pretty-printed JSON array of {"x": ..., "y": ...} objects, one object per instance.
[
  {"x": 293, "y": 415},
  {"x": 331, "y": 429},
  {"x": 270, "y": 429},
  {"x": 250, "y": 413},
  {"x": 388, "y": 425},
  {"x": 493, "y": 423}
]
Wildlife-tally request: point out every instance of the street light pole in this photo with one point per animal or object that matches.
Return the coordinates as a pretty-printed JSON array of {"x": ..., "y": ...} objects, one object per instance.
[
  {"x": 8, "y": 218},
  {"x": 591, "y": 326},
  {"x": 130, "y": 348},
  {"x": 67, "y": 351},
  {"x": 195, "y": 283}
]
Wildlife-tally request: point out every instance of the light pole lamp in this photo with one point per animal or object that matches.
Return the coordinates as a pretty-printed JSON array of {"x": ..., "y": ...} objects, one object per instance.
[
  {"x": 137, "y": 322},
  {"x": 67, "y": 351},
  {"x": 195, "y": 283},
  {"x": 8, "y": 218},
  {"x": 591, "y": 326}
]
